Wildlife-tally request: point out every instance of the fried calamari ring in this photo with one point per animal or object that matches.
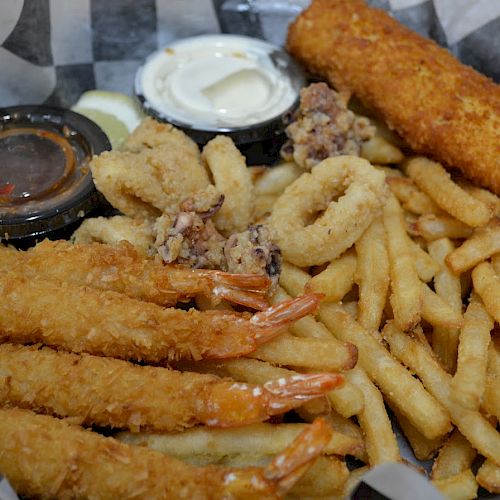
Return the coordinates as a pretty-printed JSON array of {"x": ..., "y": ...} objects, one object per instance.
[
  {"x": 233, "y": 179},
  {"x": 361, "y": 192}
]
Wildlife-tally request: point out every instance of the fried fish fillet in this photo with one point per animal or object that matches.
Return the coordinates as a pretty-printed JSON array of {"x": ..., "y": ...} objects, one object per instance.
[{"x": 441, "y": 107}]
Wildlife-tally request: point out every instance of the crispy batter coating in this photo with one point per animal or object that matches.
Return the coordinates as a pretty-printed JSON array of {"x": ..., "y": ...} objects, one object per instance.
[
  {"x": 439, "y": 106},
  {"x": 151, "y": 134},
  {"x": 108, "y": 323},
  {"x": 46, "y": 458},
  {"x": 115, "y": 229},
  {"x": 121, "y": 268},
  {"x": 115, "y": 393}
]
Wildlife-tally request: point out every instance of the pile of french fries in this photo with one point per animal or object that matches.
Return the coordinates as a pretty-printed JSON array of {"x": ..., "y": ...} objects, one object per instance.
[{"x": 419, "y": 296}]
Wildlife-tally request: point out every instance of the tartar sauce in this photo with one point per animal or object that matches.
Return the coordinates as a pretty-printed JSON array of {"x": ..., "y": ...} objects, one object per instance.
[{"x": 217, "y": 81}]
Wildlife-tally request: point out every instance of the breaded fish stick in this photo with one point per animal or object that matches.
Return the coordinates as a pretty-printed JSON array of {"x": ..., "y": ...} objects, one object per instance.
[
  {"x": 47, "y": 458},
  {"x": 108, "y": 323},
  {"x": 123, "y": 269},
  {"x": 439, "y": 106},
  {"x": 114, "y": 393}
]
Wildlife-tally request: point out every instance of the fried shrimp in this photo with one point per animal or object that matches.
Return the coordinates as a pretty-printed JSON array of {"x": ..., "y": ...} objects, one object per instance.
[
  {"x": 233, "y": 179},
  {"x": 115, "y": 229},
  {"x": 101, "y": 391},
  {"x": 361, "y": 191},
  {"x": 45, "y": 457},
  {"x": 82, "y": 319},
  {"x": 121, "y": 268}
]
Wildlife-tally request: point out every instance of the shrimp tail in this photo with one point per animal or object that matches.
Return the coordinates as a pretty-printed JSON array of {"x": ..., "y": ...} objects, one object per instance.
[
  {"x": 245, "y": 289},
  {"x": 287, "y": 467},
  {"x": 285, "y": 470},
  {"x": 288, "y": 393},
  {"x": 267, "y": 324}
]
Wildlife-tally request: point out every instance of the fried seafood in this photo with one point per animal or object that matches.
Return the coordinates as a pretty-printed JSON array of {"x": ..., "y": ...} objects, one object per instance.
[
  {"x": 361, "y": 191},
  {"x": 45, "y": 457},
  {"x": 150, "y": 182},
  {"x": 115, "y": 229},
  {"x": 232, "y": 178},
  {"x": 82, "y": 319},
  {"x": 111, "y": 392},
  {"x": 121, "y": 268},
  {"x": 191, "y": 238},
  {"x": 439, "y": 106},
  {"x": 323, "y": 127},
  {"x": 150, "y": 134}
]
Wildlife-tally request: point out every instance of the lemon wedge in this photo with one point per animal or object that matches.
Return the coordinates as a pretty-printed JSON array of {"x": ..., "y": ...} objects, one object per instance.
[{"x": 117, "y": 114}]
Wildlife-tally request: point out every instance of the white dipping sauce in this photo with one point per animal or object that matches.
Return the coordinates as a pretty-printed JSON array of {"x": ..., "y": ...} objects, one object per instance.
[{"x": 217, "y": 81}]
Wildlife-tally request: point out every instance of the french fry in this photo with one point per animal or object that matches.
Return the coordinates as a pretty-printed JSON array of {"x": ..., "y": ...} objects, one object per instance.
[
  {"x": 488, "y": 476},
  {"x": 487, "y": 197},
  {"x": 425, "y": 265},
  {"x": 274, "y": 180},
  {"x": 454, "y": 457},
  {"x": 250, "y": 440},
  {"x": 432, "y": 227},
  {"x": 394, "y": 381},
  {"x": 406, "y": 292},
  {"x": 491, "y": 396},
  {"x": 435, "y": 181},
  {"x": 378, "y": 150},
  {"x": 336, "y": 280},
  {"x": 437, "y": 311},
  {"x": 448, "y": 287},
  {"x": 326, "y": 475},
  {"x": 372, "y": 275},
  {"x": 495, "y": 262},
  {"x": 293, "y": 279},
  {"x": 487, "y": 285},
  {"x": 381, "y": 445},
  {"x": 347, "y": 400},
  {"x": 462, "y": 486},
  {"x": 474, "y": 426},
  {"x": 322, "y": 355},
  {"x": 468, "y": 384},
  {"x": 484, "y": 242},
  {"x": 410, "y": 197},
  {"x": 423, "y": 448}
]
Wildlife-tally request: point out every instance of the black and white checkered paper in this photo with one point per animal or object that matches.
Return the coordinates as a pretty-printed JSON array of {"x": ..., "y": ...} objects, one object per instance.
[{"x": 51, "y": 51}]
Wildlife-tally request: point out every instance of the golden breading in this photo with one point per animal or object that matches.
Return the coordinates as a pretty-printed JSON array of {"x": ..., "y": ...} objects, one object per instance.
[
  {"x": 46, "y": 458},
  {"x": 114, "y": 393},
  {"x": 152, "y": 181},
  {"x": 108, "y": 323},
  {"x": 439, "y": 106}
]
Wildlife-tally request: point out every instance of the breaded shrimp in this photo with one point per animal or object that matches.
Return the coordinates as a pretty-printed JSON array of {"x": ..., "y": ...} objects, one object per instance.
[
  {"x": 121, "y": 268},
  {"x": 110, "y": 392},
  {"x": 111, "y": 230},
  {"x": 46, "y": 458},
  {"x": 441, "y": 107},
  {"x": 108, "y": 323}
]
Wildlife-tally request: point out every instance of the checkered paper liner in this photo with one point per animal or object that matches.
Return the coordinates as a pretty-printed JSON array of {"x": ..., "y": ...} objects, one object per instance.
[{"x": 51, "y": 51}]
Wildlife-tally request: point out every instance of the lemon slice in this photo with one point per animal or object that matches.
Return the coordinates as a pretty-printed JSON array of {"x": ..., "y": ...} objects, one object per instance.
[
  {"x": 116, "y": 130},
  {"x": 117, "y": 114}
]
